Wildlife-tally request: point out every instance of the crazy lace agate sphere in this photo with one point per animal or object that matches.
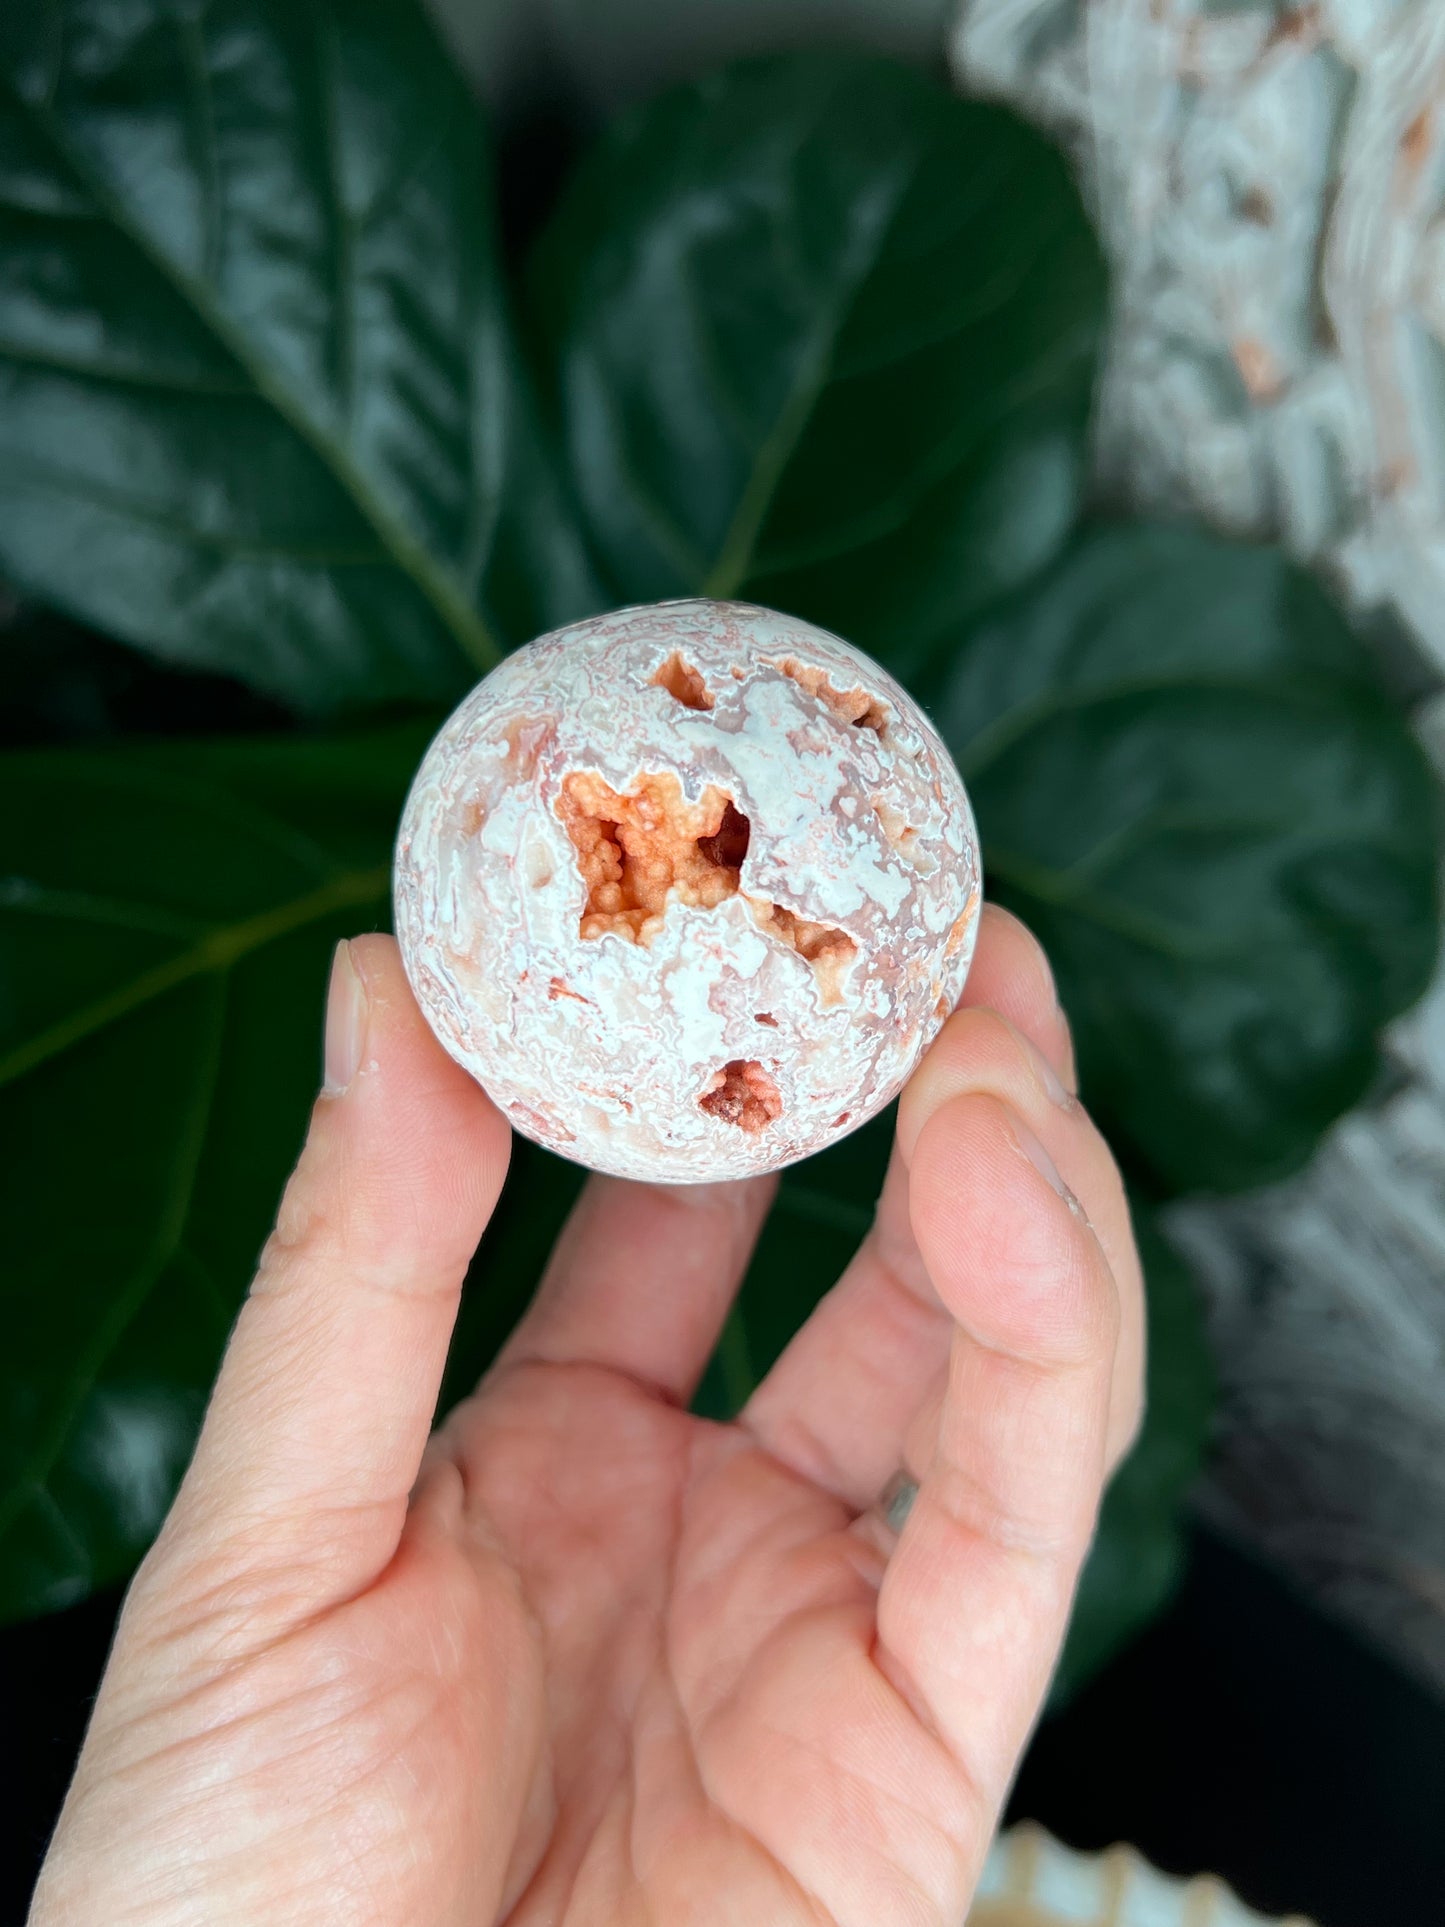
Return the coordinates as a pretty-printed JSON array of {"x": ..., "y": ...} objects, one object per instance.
[{"x": 688, "y": 889}]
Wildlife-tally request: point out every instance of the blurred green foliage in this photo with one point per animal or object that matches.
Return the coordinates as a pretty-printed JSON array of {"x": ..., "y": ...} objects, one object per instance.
[
  {"x": 817, "y": 335},
  {"x": 1195, "y": 790},
  {"x": 812, "y": 332}
]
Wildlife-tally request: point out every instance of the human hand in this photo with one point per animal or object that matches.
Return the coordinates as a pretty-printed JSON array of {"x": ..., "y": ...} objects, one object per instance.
[{"x": 584, "y": 1658}]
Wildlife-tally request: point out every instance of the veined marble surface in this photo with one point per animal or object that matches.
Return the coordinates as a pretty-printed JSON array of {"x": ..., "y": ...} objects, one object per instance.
[{"x": 1270, "y": 183}]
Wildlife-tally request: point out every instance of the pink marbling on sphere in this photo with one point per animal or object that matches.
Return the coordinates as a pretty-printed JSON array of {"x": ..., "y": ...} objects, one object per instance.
[{"x": 708, "y": 1044}]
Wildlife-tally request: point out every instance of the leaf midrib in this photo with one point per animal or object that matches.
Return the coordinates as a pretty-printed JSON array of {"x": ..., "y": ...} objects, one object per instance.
[
  {"x": 738, "y": 555},
  {"x": 462, "y": 622},
  {"x": 218, "y": 950},
  {"x": 735, "y": 556},
  {"x": 878, "y": 521}
]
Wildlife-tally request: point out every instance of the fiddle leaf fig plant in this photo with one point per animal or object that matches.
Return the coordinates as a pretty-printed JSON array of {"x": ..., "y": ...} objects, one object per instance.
[
  {"x": 810, "y": 331},
  {"x": 168, "y": 911},
  {"x": 1195, "y": 790},
  {"x": 263, "y": 411},
  {"x": 818, "y": 335}
]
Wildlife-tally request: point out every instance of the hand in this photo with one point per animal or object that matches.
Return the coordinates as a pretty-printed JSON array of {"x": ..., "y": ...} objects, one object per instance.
[{"x": 584, "y": 1658}]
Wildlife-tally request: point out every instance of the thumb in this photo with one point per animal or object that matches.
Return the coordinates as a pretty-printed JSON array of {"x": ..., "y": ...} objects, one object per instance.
[{"x": 328, "y": 1387}]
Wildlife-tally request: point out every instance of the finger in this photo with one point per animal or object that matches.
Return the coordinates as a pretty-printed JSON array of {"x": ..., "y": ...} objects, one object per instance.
[
  {"x": 326, "y": 1394},
  {"x": 642, "y": 1279},
  {"x": 973, "y": 1053},
  {"x": 1010, "y": 973},
  {"x": 976, "y": 1596},
  {"x": 839, "y": 1402},
  {"x": 836, "y": 1404}
]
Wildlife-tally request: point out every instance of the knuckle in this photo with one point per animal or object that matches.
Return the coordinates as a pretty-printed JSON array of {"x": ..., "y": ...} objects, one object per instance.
[
  {"x": 1037, "y": 955},
  {"x": 981, "y": 1050},
  {"x": 1045, "y": 1531},
  {"x": 988, "y": 1036},
  {"x": 304, "y": 1216}
]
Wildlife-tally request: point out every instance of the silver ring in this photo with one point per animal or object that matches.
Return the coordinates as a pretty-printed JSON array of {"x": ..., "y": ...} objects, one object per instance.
[{"x": 896, "y": 1501}]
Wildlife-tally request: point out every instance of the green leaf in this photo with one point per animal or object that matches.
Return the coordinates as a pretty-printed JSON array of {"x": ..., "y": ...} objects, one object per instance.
[
  {"x": 822, "y": 335},
  {"x": 1189, "y": 783},
  {"x": 260, "y": 407},
  {"x": 1137, "y": 1556},
  {"x": 166, "y": 920}
]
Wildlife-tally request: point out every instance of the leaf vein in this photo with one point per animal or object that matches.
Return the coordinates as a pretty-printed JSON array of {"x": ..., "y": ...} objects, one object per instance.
[
  {"x": 44, "y": 475},
  {"x": 340, "y": 220},
  {"x": 734, "y": 559},
  {"x": 121, "y": 374},
  {"x": 463, "y": 623},
  {"x": 996, "y": 738},
  {"x": 1049, "y": 886},
  {"x": 216, "y": 952},
  {"x": 193, "y": 52},
  {"x": 82, "y": 906}
]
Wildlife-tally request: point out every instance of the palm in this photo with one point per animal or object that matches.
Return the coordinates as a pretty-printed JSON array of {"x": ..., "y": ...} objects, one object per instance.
[
  {"x": 604, "y": 1662},
  {"x": 696, "y": 1697},
  {"x": 705, "y": 1618}
]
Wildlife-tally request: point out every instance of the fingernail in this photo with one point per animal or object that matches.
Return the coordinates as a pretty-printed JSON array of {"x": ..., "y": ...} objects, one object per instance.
[
  {"x": 1039, "y": 1158},
  {"x": 346, "y": 1013}
]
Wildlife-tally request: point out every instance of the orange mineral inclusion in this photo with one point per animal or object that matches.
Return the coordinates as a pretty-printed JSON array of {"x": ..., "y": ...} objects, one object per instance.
[
  {"x": 636, "y": 852},
  {"x": 742, "y": 1093},
  {"x": 639, "y": 851},
  {"x": 688, "y": 889}
]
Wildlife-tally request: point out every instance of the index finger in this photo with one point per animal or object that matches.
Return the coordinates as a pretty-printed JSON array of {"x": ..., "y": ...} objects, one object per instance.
[
  {"x": 976, "y": 1596},
  {"x": 326, "y": 1393}
]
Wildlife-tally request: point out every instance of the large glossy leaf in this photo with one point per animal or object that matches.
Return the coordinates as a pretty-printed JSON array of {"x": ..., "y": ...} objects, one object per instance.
[
  {"x": 821, "y": 335},
  {"x": 260, "y": 408},
  {"x": 63, "y": 683},
  {"x": 1189, "y": 783},
  {"x": 1138, "y": 1551},
  {"x": 166, "y": 918}
]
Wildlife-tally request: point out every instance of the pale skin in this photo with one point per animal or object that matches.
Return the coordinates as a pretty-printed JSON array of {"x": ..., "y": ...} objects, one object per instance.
[{"x": 582, "y": 1658}]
